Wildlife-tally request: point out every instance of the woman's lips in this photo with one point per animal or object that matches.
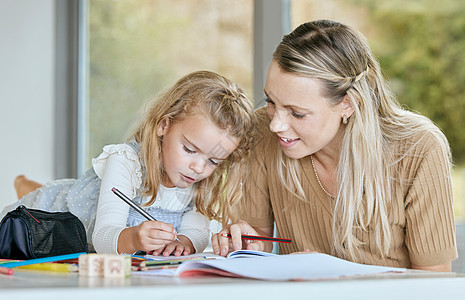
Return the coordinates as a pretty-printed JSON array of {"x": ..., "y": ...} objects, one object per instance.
[{"x": 288, "y": 142}]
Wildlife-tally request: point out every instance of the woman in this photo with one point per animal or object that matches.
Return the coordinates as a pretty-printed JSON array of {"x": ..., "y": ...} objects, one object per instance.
[{"x": 341, "y": 168}]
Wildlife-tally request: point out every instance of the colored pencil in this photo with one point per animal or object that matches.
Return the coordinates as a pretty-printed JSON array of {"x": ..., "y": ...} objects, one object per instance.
[
  {"x": 259, "y": 238},
  {"x": 42, "y": 260},
  {"x": 55, "y": 267},
  {"x": 167, "y": 262},
  {"x": 6, "y": 271}
]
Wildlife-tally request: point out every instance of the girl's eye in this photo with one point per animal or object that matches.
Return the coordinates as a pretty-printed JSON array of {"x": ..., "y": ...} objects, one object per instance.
[
  {"x": 297, "y": 115},
  {"x": 268, "y": 101},
  {"x": 214, "y": 162},
  {"x": 188, "y": 150}
]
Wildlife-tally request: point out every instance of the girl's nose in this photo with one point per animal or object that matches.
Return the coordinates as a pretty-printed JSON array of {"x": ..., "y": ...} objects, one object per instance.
[
  {"x": 198, "y": 165},
  {"x": 279, "y": 121}
]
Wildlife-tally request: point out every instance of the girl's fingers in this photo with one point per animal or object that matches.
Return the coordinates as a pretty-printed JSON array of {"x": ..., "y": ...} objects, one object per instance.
[{"x": 169, "y": 249}]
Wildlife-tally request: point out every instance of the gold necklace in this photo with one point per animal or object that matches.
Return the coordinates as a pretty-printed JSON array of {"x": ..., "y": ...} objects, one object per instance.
[{"x": 318, "y": 179}]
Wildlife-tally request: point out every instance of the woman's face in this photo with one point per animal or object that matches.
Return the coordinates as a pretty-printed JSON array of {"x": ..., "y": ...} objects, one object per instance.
[
  {"x": 192, "y": 149},
  {"x": 303, "y": 119}
]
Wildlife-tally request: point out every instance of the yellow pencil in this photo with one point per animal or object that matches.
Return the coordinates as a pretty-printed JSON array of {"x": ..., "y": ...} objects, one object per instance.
[{"x": 55, "y": 267}]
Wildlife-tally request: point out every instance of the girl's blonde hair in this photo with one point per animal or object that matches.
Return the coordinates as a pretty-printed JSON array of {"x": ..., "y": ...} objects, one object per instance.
[
  {"x": 340, "y": 58},
  {"x": 229, "y": 108}
]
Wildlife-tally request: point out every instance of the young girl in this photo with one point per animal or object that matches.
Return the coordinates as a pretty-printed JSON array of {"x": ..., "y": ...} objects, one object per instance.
[{"x": 175, "y": 166}]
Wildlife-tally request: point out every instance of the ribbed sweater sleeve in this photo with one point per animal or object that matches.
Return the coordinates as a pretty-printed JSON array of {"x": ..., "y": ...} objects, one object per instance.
[{"x": 430, "y": 231}]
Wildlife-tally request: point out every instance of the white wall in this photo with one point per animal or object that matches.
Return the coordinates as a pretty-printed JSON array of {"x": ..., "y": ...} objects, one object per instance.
[{"x": 27, "y": 45}]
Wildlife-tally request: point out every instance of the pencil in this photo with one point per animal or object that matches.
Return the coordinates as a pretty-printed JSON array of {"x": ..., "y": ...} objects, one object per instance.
[
  {"x": 169, "y": 261},
  {"x": 132, "y": 204},
  {"x": 135, "y": 206},
  {"x": 6, "y": 271},
  {"x": 259, "y": 238},
  {"x": 55, "y": 267},
  {"x": 41, "y": 260}
]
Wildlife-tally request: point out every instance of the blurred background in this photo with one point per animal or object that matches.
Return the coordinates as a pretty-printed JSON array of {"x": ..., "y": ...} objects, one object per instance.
[{"x": 76, "y": 74}]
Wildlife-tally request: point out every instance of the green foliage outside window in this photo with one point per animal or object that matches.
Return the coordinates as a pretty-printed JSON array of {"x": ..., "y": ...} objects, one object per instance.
[{"x": 421, "y": 48}]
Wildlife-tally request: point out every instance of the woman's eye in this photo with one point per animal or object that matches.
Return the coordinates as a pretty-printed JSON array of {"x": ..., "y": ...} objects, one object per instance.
[
  {"x": 297, "y": 115},
  {"x": 188, "y": 150},
  {"x": 268, "y": 101}
]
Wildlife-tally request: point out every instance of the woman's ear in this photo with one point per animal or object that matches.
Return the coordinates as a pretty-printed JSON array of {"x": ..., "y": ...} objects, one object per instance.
[
  {"x": 347, "y": 107},
  {"x": 163, "y": 126}
]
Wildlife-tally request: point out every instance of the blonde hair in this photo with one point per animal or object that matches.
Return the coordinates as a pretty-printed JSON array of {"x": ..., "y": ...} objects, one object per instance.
[
  {"x": 229, "y": 108},
  {"x": 340, "y": 58}
]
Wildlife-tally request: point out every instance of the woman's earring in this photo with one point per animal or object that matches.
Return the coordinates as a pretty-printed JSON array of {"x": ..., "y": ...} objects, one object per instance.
[{"x": 344, "y": 119}]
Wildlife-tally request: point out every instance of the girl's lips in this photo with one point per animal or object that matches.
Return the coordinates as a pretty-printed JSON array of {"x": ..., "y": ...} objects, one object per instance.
[
  {"x": 287, "y": 143},
  {"x": 187, "y": 179}
]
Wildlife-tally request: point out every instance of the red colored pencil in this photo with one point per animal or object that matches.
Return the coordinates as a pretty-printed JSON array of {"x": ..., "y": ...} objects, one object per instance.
[
  {"x": 259, "y": 238},
  {"x": 6, "y": 271}
]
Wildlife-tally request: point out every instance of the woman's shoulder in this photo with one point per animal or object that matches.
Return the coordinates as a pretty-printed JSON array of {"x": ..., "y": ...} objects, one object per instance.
[
  {"x": 425, "y": 138},
  {"x": 422, "y": 143}
]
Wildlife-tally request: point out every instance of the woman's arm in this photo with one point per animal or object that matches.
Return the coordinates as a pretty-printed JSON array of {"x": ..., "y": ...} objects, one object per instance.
[
  {"x": 437, "y": 268},
  {"x": 429, "y": 228},
  {"x": 223, "y": 245}
]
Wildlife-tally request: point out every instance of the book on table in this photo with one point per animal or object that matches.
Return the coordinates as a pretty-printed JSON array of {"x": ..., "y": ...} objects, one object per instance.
[{"x": 268, "y": 266}]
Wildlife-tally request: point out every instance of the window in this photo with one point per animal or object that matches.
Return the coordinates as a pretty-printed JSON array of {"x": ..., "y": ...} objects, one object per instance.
[{"x": 136, "y": 49}]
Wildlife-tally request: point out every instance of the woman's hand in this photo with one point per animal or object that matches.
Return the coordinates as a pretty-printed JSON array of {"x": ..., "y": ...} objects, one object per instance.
[
  {"x": 223, "y": 245},
  {"x": 181, "y": 246},
  {"x": 147, "y": 236}
]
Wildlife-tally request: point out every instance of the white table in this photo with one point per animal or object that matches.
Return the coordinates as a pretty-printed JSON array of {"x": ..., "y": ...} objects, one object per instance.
[{"x": 34, "y": 285}]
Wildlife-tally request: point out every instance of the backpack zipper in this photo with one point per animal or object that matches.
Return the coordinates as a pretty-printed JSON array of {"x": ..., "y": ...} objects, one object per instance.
[{"x": 23, "y": 207}]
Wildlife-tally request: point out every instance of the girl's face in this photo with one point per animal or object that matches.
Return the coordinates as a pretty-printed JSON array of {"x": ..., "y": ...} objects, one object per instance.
[
  {"x": 192, "y": 149},
  {"x": 303, "y": 119}
]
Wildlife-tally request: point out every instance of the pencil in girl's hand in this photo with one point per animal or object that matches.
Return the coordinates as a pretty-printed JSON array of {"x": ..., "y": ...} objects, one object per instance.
[
  {"x": 259, "y": 238},
  {"x": 132, "y": 204},
  {"x": 135, "y": 206}
]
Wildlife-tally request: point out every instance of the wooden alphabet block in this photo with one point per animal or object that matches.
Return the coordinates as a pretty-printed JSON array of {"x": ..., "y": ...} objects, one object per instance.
[
  {"x": 91, "y": 265},
  {"x": 116, "y": 266}
]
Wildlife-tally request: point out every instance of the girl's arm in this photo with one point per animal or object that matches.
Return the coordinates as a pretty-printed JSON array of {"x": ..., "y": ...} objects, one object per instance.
[
  {"x": 196, "y": 228},
  {"x": 118, "y": 166}
]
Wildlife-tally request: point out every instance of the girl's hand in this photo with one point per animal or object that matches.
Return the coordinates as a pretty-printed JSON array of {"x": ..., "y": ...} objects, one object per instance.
[
  {"x": 223, "y": 245},
  {"x": 182, "y": 246},
  {"x": 147, "y": 236}
]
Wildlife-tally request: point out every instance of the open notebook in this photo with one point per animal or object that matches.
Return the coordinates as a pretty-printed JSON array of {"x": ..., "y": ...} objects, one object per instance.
[{"x": 266, "y": 266}]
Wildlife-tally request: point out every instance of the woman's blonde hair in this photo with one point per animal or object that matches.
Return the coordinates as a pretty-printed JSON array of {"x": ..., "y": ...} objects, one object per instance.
[
  {"x": 229, "y": 108},
  {"x": 340, "y": 58}
]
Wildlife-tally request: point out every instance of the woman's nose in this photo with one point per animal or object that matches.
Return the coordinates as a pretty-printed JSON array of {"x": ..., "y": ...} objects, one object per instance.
[{"x": 279, "y": 121}]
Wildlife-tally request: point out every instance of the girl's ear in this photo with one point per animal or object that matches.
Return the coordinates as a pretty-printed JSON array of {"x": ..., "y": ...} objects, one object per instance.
[
  {"x": 347, "y": 107},
  {"x": 163, "y": 127}
]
